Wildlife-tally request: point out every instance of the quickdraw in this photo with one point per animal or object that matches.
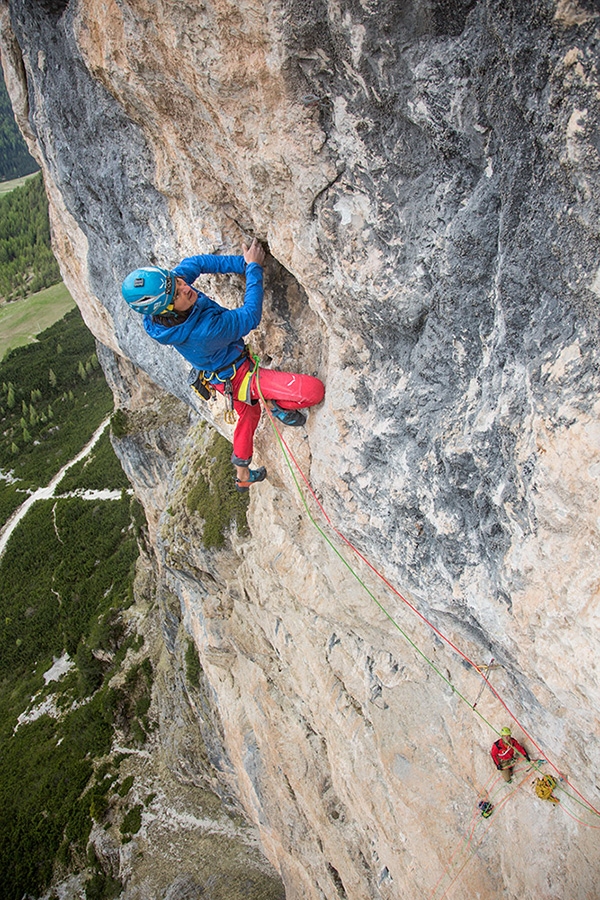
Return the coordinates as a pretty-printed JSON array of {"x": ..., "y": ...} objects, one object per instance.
[
  {"x": 229, "y": 414},
  {"x": 198, "y": 383}
]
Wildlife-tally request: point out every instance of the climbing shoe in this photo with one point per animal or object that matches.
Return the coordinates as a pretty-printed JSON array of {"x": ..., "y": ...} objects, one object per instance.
[
  {"x": 255, "y": 476},
  {"x": 287, "y": 416}
]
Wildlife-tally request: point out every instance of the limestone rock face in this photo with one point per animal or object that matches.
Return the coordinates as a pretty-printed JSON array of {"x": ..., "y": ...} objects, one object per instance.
[{"x": 426, "y": 175}]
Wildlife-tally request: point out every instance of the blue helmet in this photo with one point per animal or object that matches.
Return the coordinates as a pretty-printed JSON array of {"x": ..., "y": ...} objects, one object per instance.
[{"x": 149, "y": 290}]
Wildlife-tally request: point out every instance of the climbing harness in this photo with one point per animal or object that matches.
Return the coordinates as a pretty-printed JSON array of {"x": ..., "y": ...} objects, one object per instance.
[
  {"x": 244, "y": 394},
  {"x": 244, "y": 391},
  {"x": 201, "y": 381},
  {"x": 544, "y": 786},
  {"x": 234, "y": 366}
]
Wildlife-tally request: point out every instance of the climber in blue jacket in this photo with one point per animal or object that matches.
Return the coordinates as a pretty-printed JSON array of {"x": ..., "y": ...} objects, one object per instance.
[
  {"x": 206, "y": 334},
  {"x": 211, "y": 338}
]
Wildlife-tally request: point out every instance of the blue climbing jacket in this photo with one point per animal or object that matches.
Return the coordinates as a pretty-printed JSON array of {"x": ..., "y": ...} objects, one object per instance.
[{"x": 211, "y": 336}]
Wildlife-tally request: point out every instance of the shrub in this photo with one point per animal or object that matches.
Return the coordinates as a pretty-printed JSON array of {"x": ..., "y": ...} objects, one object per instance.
[
  {"x": 214, "y": 496},
  {"x": 125, "y": 786},
  {"x": 119, "y": 423},
  {"x": 132, "y": 821},
  {"x": 102, "y": 887},
  {"x": 192, "y": 664},
  {"x": 90, "y": 670}
]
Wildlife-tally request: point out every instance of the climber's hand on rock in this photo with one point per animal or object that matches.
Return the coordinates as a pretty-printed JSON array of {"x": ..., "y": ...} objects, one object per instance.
[{"x": 254, "y": 253}]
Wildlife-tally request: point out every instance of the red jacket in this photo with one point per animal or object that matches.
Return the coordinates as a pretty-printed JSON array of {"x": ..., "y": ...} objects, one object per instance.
[{"x": 503, "y": 751}]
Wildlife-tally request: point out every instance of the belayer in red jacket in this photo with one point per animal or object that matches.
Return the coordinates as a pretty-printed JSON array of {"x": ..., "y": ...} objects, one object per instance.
[{"x": 505, "y": 753}]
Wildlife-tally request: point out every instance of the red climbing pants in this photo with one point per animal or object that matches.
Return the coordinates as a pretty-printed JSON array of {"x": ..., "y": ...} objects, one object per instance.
[{"x": 290, "y": 391}]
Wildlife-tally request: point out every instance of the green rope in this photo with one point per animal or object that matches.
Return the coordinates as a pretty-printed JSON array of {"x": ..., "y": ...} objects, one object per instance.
[{"x": 355, "y": 574}]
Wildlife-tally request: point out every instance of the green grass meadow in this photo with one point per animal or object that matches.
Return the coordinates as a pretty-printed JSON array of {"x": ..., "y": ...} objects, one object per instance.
[
  {"x": 22, "y": 320},
  {"x": 7, "y": 186}
]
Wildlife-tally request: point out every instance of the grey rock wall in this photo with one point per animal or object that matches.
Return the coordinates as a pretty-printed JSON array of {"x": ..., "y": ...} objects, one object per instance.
[{"x": 426, "y": 177}]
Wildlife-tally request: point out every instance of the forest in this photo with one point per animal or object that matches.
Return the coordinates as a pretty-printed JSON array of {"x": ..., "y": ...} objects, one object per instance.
[
  {"x": 53, "y": 396},
  {"x": 15, "y": 159},
  {"x": 27, "y": 263},
  {"x": 67, "y": 582}
]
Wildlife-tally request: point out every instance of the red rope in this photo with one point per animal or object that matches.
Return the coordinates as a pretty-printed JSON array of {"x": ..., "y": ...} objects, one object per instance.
[{"x": 423, "y": 618}]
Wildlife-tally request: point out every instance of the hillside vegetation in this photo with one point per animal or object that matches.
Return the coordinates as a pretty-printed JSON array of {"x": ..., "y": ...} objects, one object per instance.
[
  {"x": 53, "y": 396},
  {"x": 67, "y": 576}
]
